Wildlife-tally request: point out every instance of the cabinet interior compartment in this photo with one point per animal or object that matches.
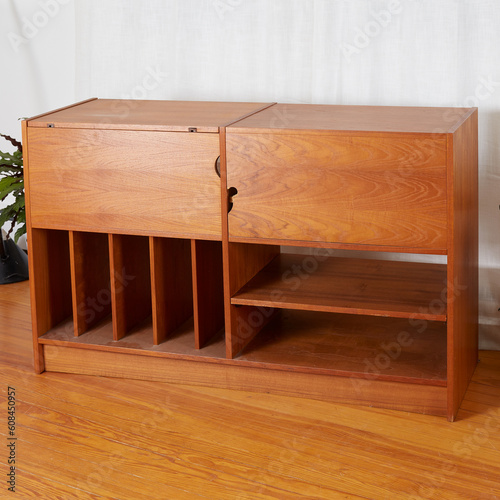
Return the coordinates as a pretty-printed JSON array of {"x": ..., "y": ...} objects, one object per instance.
[
  {"x": 51, "y": 280},
  {"x": 90, "y": 278},
  {"x": 358, "y": 317},
  {"x": 323, "y": 282},
  {"x": 146, "y": 293},
  {"x": 171, "y": 282},
  {"x": 208, "y": 293},
  {"x": 130, "y": 282},
  {"x": 365, "y": 348}
]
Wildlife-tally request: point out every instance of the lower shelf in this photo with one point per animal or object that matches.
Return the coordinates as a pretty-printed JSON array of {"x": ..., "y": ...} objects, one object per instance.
[
  {"x": 342, "y": 345},
  {"x": 138, "y": 341},
  {"x": 354, "y": 346}
]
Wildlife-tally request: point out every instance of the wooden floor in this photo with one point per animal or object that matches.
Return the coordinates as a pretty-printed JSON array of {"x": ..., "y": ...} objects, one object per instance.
[{"x": 90, "y": 437}]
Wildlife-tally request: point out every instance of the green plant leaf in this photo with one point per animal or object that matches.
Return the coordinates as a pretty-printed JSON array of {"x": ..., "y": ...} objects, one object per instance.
[
  {"x": 10, "y": 157},
  {"x": 12, "y": 182},
  {"x": 5, "y": 215},
  {"x": 9, "y": 185},
  {"x": 21, "y": 218},
  {"x": 19, "y": 232},
  {"x": 11, "y": 170}
]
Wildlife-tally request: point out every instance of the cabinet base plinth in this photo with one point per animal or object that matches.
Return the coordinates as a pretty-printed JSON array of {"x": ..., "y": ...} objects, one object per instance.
[{"x": 346, "y": 390}]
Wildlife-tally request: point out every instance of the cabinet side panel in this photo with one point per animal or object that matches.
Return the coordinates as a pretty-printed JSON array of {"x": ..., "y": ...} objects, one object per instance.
[
  {"x": 49, "y": 269},
  {"x": 38, "y": 360},
  {"x": 462, "y": 262}
]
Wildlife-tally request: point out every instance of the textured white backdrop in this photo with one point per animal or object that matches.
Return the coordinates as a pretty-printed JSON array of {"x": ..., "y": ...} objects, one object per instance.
[{"x": 412, "y": 52}]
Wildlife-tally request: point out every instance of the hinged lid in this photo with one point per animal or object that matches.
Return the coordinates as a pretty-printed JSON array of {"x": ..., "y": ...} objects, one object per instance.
[
  {"x": 176, "y": 116},
  {"x": 368, "y": 119}
]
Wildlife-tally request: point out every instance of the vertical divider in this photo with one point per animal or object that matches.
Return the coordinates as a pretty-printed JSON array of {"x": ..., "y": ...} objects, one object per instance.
[
  {"x": 245, "y": 322},
  {"x": 208, "y": 293},
  {"x": 50, "y": 280},
  {"x": 53, "y": 277},
  {"x": 241, "y": 261},
  {"x": 89, "y": 256},
  {"x": 130, "y": 282},
  {"x": 171, "y": 285}
]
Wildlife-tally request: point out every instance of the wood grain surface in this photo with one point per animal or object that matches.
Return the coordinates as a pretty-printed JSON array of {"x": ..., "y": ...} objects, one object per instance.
[
  {"x": 171, "y": 285},
  {"x": 51, "y": 278},
  {"x": 208, "y": 293},
  {"x": 243, "y": 262},
  {"x": 355, "y": 189},
  {"x": 341, "y": 119},
  {"x": 128, "y": 114},
  {"x": 91, "y": 437},
  {"x": 130, "y": 282},
  {"x": 90, "y": 279},
  {"x": 113, "y": 181},
  {"x": 463, "y": 261},
  {"x": 348, "y": 285},
  {"x": 360, "y": 348}
]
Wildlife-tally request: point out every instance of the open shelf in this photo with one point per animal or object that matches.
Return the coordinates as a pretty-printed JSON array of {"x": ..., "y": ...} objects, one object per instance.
[
  {"x": 139, "y": 340},
  {"x": 345, "y": 285},
  {"x": 361, "y": 347}
]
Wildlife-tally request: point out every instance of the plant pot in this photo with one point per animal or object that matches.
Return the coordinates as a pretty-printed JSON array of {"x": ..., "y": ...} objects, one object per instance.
[{"x": 13, "y": 262}]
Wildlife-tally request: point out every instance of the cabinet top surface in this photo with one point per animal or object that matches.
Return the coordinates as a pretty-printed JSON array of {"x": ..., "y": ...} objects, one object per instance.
[
  {"x": 177, "y": 116},
  {"x": 354, "y": 118}
]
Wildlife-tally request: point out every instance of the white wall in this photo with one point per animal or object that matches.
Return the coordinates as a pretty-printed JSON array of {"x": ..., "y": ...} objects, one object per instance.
[
  {"x": 37, "y": 47},
  {"x": 38, "y": 59},
  {"x": 409, "y": 52},
  {"x": 413, "y": 52}
]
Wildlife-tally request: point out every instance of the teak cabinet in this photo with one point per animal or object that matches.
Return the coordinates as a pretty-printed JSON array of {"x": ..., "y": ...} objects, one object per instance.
[{"x": 219, "y": 244}]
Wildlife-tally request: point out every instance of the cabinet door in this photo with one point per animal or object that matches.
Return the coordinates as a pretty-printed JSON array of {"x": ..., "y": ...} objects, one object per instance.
[
  {"x": 123, "y": 181},
  {"x": 366, "y": 190}
]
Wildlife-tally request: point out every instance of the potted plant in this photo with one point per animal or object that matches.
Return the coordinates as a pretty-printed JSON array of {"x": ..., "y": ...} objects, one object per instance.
[{"x": 13, "y": 261}]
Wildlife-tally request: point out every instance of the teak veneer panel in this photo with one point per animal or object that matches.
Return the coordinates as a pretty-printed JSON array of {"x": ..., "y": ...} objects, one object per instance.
[
  {"x": 129, "y": 114},
  {"x": 139, "y": 340},
  {"x": 130, "y": 282},
  {"x": 171, "y": 285},
  {"x": 90, "y": 278},
  {"x": 143, "y": 174},
  {"x": 243, "y": 262},
  {"x": 317, "y": 118},
  {"x": 348, "y": 285},
  {"x": 384, "y": 394},
  {"x": 208, "y": 293},
  {"x": 50, "y": 278},
  {"x": 345, "y": 189},
  {"x": 114, "y": 180},
  {"x": 357, "y": 347},
  {"x": 463, "y": 261},
  {"x": 360, "y": 347}
]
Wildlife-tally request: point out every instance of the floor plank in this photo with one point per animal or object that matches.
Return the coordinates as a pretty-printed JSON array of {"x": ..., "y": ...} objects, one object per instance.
[{"x": 89, "y": 437}]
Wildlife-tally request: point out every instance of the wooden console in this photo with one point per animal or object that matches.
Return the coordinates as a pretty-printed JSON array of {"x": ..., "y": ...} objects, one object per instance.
[{"x": 219, "y": 244}]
